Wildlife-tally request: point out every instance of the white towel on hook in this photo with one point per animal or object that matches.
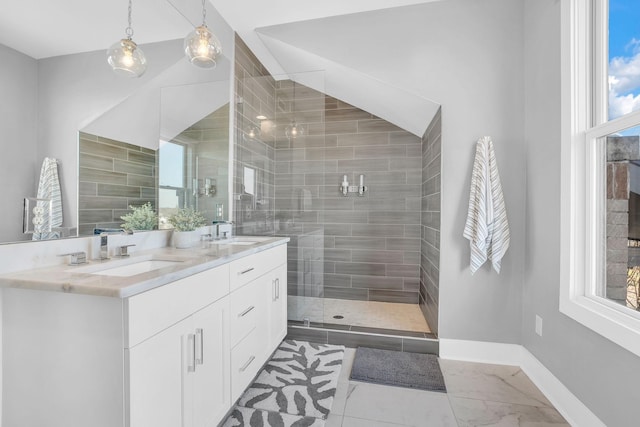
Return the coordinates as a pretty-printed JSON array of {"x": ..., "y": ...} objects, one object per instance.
[
  {"x": 49, "y": 188},
  {"x": 487, "y": 227}
]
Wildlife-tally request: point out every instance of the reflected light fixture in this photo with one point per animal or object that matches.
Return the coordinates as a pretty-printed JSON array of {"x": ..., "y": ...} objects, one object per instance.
[
  {"x": 253, "y": 132},
  {"x": 125, "y": 57},
  {"x": 294, "y": 130},
  {"x": 201, "y": 46}
]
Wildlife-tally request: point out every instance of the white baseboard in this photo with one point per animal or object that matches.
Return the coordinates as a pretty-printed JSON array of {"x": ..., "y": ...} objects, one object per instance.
[
  {"x": 571, "y": 408},
  {"x": 481, "y": 352}
]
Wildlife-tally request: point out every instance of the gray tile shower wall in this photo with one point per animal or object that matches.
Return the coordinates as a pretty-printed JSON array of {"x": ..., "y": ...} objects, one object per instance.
[
  {"x": 113, "y": 176},
  {"x": 430, "y": 247},
  {"x": 254, "y": 156},
  {"x": 365, "y": 248},
  {"x": 371, "y": 243}
]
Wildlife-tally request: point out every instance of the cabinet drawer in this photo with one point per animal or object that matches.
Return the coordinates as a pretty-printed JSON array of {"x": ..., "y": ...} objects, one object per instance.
[
  {"x": 244, "y": 270},
  {"x": 247, "y": 309},
  {"x": 153, "y": 311},
  {"x": 246, "y": 360}
]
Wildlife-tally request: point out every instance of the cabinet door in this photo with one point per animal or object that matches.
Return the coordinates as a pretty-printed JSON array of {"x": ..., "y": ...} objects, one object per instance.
[
  {"x": 211, "y": 378},
  {"x": 278, "y": 306},
  {"x": 156, "y": 378}
]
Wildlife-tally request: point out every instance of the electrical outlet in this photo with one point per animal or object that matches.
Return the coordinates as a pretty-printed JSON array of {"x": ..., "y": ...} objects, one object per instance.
[{"x": 538, "y": 325}]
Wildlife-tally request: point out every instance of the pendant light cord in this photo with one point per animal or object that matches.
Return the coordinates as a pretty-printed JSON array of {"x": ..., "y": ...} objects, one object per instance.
[
  {"x": 129, "y": 30},
  {"x": 204, "y": 14}
]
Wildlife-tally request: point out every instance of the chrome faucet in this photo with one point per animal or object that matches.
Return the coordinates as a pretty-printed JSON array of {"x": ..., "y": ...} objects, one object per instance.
[
  {"x": 104, "y": 240},
  {"x": 222, "y": 229}
]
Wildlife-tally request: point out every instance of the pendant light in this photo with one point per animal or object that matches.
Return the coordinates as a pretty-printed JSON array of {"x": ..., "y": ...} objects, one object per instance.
[
  {"x": 201, "y": 46},
  {"x": 253, "y": 132},
  {"x": 294, "y": 130},
  {"x": 125, "y": 57}
]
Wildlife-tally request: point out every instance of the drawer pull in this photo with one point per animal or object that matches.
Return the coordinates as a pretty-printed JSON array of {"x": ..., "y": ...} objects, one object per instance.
[
  {"x": 244, "y": 313},
  {"x": 245, "y": 271},
  {"x": 246, "y": 365},
  {"x": 199, "y": 352},
  {"x": 191, "y": 353}
]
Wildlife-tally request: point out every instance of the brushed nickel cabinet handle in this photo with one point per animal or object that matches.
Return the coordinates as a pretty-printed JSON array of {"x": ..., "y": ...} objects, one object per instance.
[
  {"x": 244, "y": 313},
  {"x": 191, "y": 352},
  {"x": 199, "y": 351},
  {"x": 246, "y": 365},
  {"x": 246, "y": 271}
]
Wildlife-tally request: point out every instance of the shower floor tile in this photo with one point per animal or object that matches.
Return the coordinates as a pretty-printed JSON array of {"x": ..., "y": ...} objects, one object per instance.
[{"x": 372, "y": 314}]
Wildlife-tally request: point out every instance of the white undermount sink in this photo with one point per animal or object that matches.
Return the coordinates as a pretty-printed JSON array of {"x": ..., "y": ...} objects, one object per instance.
[
  {"x": 126, "y": 267},
  {"x": 240, "y": 240}
]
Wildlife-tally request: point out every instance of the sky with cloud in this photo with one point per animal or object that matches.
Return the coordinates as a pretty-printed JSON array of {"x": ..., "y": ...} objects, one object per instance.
[{"x": 624, "y": 57}]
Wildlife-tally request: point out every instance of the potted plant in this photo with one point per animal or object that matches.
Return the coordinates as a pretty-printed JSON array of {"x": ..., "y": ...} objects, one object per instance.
[
  {"x": 141, "y": 218},
  {"x": 184, "y": 223}
]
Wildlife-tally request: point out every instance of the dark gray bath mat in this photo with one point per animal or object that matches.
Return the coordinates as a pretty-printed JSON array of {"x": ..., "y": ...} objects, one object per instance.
[{"x": 412, "y": 370}]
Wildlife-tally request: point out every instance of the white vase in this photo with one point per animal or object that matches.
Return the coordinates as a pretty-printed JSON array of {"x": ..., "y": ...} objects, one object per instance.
[{"x": 184, "y": 239}]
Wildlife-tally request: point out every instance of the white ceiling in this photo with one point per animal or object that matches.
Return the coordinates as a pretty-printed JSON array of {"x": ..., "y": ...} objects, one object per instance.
[
  {"x": 45, "y": 28},
  {"x": 292, "y": 36},
  {"x": 245, "y": 16}
]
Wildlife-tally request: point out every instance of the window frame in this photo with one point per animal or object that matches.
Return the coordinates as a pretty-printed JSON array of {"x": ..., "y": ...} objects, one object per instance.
[{"x": 583, "y": 123}]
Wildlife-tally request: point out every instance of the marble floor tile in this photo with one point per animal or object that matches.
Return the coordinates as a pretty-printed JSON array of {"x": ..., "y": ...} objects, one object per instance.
[
  {"x": 333, "y": 420},
  {"x": 497, "y": 383},
  {"x": 340, "y": 399},
  {"x": 472, "y": 412},
  {"x": 358, "y": 422},
  {"x": 398, "y": 405},
  {"x": 342, "y": 390}
]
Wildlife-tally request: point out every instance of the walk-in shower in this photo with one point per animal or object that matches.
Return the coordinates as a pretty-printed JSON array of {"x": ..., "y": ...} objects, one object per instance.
[{"x": 359, "y": 262}]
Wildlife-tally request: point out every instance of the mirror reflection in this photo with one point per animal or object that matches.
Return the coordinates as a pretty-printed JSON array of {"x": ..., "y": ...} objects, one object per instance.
[
  {"x": 194, "y": 169},
  {"x": 189, "y": 170}
]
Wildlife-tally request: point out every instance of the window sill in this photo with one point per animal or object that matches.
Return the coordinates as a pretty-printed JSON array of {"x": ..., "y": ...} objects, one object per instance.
[{"x": 600, "y": 316}]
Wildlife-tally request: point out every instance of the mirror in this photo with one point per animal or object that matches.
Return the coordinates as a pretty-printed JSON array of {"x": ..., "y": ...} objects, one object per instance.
[
  {"x": 194, "y": 156},
  {"x": 48, "y": 97},
  {"x": 190, "y": 168}
]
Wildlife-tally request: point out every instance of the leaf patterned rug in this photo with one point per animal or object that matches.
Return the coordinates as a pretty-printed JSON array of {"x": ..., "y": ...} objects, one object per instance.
[
  {"x": 299, "y": 379},
  {"x": 248, "y": 417}
]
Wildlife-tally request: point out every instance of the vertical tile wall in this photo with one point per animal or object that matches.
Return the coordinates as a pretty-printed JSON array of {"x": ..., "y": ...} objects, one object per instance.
[
  {"x": 112, "y": 176},
  {"x": 371, "y": 243},
  {"x": 255, "y": 95},
  {"x": 430, "y": 248}
]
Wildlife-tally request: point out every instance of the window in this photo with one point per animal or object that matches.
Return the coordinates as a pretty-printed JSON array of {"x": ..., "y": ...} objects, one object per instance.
[
  {"x": 601, "y": 168},
  {"x": 172, "y": 192}
]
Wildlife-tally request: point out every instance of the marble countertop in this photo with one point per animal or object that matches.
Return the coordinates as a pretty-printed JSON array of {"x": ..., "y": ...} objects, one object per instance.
[{"x": 84, "y": 279}]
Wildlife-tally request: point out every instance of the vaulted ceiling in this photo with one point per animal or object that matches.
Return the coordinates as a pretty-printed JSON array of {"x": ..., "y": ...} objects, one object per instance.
[{"x": 353, "y": 41}]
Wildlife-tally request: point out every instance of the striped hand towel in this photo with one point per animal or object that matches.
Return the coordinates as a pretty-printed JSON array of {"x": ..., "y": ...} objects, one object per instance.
[
  {"x": 49, "y": 188},
  {"x": 487, "y": 227}
]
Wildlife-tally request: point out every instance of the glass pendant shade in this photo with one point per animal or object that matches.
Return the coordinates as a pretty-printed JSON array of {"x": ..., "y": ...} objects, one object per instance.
[
  {"x": 202, "y": 47},
  {"x": 253, "y": 132},
  {"x": 294, "y": 130},
  {"x": 126, "y": 58}
]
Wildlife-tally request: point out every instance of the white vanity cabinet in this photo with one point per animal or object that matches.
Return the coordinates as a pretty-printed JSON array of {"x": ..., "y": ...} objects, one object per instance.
[
  {"x": 278, "y": 305},
  {"x": 180, "y": 377},
  {"x": 258, "y": 316},
  {"x": 179, "y": 374},
  {"x": 178, "y": 355}
]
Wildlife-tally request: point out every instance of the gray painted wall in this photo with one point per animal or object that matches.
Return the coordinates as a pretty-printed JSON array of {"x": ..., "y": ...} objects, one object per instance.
[
  {"x": 20, "y": 169},
  {"x": 472, "y": 64},
  {"x": 600, "y": 373}
]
